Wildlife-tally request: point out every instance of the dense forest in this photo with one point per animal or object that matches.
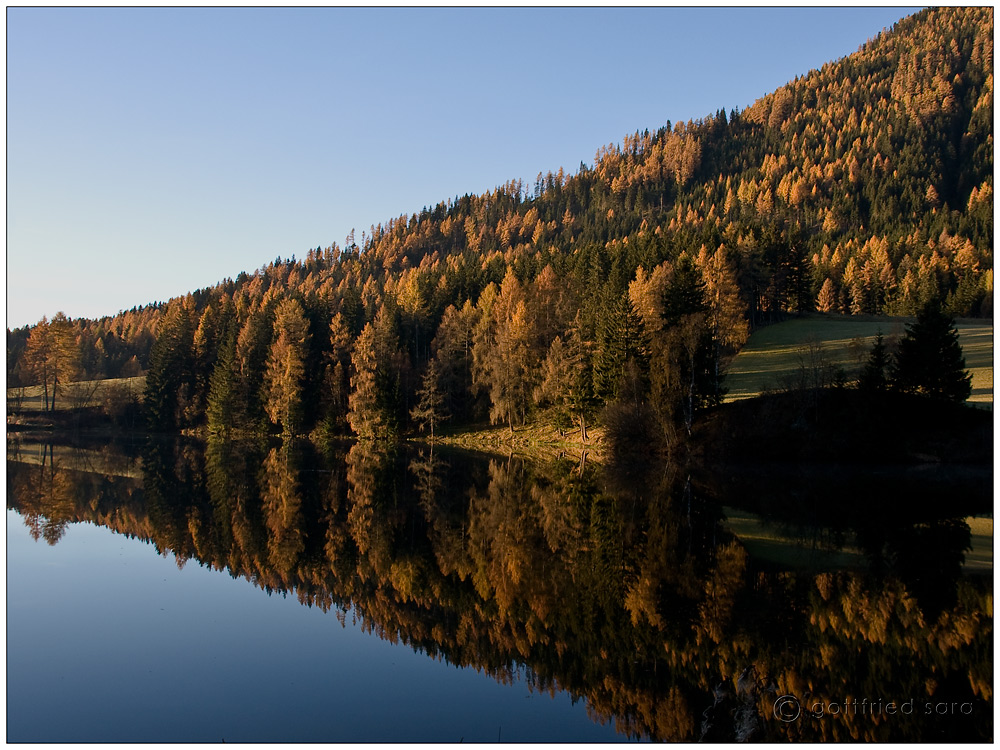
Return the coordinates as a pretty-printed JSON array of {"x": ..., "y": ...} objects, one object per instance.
[{"x": 612, "y": 295}]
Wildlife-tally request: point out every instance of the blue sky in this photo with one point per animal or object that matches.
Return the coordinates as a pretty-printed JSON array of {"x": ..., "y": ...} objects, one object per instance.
[{"x": 153, "y": 151}]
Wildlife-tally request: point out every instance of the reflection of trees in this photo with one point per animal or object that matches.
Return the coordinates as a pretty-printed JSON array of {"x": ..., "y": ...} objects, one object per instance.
[
  {"x": 50, "y": 493},
  {"x": 374, "y": 515},
  {"x": 446, "y": 520},
  {"x": 282, "y": 509},
  {"x": 503, "y": 535},
  {"x": 623, "y": 590}
]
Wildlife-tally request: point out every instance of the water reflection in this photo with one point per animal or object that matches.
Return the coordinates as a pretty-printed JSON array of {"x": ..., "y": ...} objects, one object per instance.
[{"x": 628, "y": 590}]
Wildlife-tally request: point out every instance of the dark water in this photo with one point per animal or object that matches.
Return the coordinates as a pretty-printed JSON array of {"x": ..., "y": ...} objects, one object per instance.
[{"x": 176, "y": 592}]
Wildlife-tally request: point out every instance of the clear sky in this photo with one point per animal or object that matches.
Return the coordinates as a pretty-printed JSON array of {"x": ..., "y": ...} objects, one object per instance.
[{"x": 154, "y": 151}]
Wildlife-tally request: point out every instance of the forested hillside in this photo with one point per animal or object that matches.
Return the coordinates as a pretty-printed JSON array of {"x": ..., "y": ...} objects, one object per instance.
[{"x": 615, "y": 293}]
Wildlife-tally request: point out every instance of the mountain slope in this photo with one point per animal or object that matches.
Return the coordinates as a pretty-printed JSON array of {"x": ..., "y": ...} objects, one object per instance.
[{"x": 863, "y": 187}]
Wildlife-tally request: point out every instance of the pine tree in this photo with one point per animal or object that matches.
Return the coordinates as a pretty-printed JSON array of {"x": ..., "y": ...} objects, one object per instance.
[
  {"x": 621, "y": 342},
  {"x": 430, "y": 409},
  {"x": 566, "y": 380},
  {"x": 252, "y": 348},
  {"x": 223, "y": 386},
  {"x": 930, "y": 358},
  {"x": 873, "y": 377},
  {"x": 169, "y": 382},
  {"x": 206, "y": 350}
]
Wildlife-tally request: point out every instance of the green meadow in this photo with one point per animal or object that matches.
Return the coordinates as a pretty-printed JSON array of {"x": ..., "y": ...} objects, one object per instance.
[
  {"x": 80, "y": 394},
  {"x": 775, "y": 356}
]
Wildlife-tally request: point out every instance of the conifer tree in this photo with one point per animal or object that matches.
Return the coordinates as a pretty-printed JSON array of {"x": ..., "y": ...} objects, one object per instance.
[
  {"x": 930, "y": 360},
  {"x": 375, "y": 404},
  {"x": 223, "y": 389},
  {"x": 430, "y": 409},
  {"x": 622, "y": 360},
  {"x": 726, "y": 311},
  {"x": 169, "y": 382},
  {"x": 38, "y": 356},
  {"x": 566, "y": 380},
  {"x": 502, "y": 356},
  {"x": 252, "y": 347},
  {"x": 286, "y": 371},
  {"x": 206, "y": 349},
  {"x": 64, "y": 354},
  {"x": 452, "y": 347},
  {"x": 336, "y": 383},
  {"x": 826, "y": 302},
  {"x": 684, "y": 375},
  {"x": 873, "y": 377}
]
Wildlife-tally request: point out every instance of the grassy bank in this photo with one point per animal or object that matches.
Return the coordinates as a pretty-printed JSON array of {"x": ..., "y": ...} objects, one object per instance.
[
  {"x": 775, "y": 355},
  {"x": 78, "y": 395}
]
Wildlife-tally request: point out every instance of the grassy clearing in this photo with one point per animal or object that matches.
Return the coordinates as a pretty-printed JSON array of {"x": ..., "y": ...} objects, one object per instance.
[
  {"x": 776, "y": 353},
  {"x": 81, "y": 394}
]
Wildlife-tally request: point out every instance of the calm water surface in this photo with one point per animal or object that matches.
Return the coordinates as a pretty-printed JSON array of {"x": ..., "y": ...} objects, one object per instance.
[
  {"x": 108, "y": 641},
  {"x": 180, "y": 593}
]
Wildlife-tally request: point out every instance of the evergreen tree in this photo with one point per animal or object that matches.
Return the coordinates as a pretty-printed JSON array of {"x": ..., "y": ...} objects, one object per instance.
[
  {"x": 566, "y": 380},
  {"x": 224, "y": 384},
  {"x": 873, "y": 377},
  {"x": 169, "y": 382},
  {"x": 621, "y": 366},
  {"x": 684, "y": 376},
  {"x": 930, "y": 358},
  {"x": 252, "y": 348},
  {"x": 430, "y": 409},
  {"x": 206, "y": 349}
]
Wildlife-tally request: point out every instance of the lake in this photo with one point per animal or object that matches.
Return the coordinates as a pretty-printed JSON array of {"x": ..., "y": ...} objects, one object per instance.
[{"x": 171, "y": 591}]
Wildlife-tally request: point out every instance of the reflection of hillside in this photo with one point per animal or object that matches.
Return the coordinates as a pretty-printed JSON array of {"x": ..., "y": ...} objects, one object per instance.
[{"x": 626, "y": 592}]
